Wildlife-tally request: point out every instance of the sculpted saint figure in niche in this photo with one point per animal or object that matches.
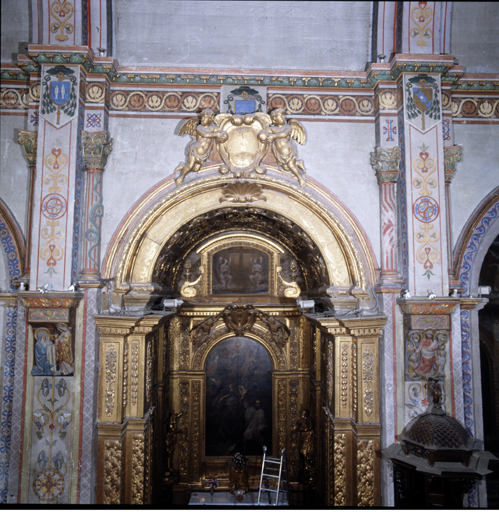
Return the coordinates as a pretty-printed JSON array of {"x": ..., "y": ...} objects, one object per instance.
[
  {"x": 64, "y": 351},
  {"x": 199, "y": 149},
  {"x": 44, "y": 354},
  {"x": 281, "y": 134}
]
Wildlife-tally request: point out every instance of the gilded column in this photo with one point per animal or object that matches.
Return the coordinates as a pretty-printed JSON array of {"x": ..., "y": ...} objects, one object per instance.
[
  {"x": 452, "y": 155},
  {"x": 96, "y": 148},
  {"x": 28, "y": 141},
  {"x": 385, "y": 162}
]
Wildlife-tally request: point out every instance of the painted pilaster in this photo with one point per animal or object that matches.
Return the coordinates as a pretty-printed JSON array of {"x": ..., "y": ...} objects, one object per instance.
[
  {"x": 96, "y": 148},
  {"x": 56, "y": 184}
]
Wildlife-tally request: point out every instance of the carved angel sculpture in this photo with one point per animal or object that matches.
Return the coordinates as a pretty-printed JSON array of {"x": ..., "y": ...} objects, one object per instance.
[
  {"x": 204, "y": 133},
  {"x": 281, "y": 134}
]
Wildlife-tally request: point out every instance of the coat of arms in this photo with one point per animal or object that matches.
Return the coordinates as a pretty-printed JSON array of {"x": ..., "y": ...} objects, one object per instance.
[
  {"x": 422, "y": 101},
  {"x": 59, "y": 93},
  {"x": 242, "y": 142}
]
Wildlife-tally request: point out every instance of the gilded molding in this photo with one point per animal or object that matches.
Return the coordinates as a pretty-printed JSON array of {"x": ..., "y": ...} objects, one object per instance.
[
  {"x": 365, "y": 473},
  {"x": 96, "y": 148},
  {"x": 354, "y": 378},
  {"x": 111, "y": 360},
  {"x": 385, "y": 162},
  {"x": 452, "y": 155},
  {"x": 293, "y": 345},
  {"x": 282, "y": 414},
  {"x": 135, "y": 372},
  {"x": 344, "y": 375},
  {"x": 112, "y": 472},
  {"x": 149, "y": 436},
  {"x": 149, "y": 376},
  {"x": 183, "y": 427},
  {"x": 330, "y": 374},
  {"x": 340, "y": 470},
  {"x": 125, "y": 373},
  {"x": 196, "y": 429},
  {"x": 138, "y": 469},
  {"x": 368, "y": 378},
  {"x": 294, "y": 456},
  {"x": 28, "y": 141}
]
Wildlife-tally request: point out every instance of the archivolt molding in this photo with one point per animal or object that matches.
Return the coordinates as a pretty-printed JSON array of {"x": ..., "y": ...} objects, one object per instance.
[
  {"x": 160, "y": 213},
  {"x": 278, "y": 359},
  {"x": 12, "y": 241}
]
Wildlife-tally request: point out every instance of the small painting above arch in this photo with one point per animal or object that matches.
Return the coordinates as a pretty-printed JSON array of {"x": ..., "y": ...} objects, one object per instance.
[
  {"x": 238, "y": 398},
  {"x": 240, "y": 270}
]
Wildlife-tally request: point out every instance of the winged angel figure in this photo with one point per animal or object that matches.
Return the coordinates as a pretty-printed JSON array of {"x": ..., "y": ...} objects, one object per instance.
[
  {"x": 281, "y": 134},
  {"x": 204, "y": 133}
]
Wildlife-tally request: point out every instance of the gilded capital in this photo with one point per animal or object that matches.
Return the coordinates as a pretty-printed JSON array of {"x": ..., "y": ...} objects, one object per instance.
[
  {"x": 385, "y": 162},
  {"x": 96, "y": 148},
  {"x": 452, "y": 155},
  {"x": 28, "y": 141}
]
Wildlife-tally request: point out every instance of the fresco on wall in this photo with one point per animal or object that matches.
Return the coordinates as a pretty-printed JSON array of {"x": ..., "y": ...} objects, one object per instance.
[
  {"x": 425, "y": 354},
  {"x": 53, "y": 350},
  {"x": 240, "y": 270},
  {"x": 238, "y": 398}
]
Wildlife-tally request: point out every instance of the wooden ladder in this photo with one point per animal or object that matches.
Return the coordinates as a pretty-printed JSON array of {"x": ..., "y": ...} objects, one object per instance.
[{"x": 274, "y": 470}]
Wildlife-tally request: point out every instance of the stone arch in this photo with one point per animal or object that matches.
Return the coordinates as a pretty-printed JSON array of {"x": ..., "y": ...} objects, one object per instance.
[
  {"x": 12, "y": 244},
  {"x": 138, "y": 240},
  {"x": 475, "y": 240}
]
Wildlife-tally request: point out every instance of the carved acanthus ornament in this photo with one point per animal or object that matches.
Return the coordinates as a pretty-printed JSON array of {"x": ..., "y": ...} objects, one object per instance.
[
  {"x": 195, "y": 427},
  {"x": 385, "y": 162},
  {"x": 111, "y": 360},
  {"x": 368, "y": 378},
  {"x": 96, "y": 148},
  {"x": 28, "y": 141},
  {"x": 137, "y": 469},
  {"x": 365, "y": 473},
  {"x": 340, "y": 469},
  {"x": 452, "y": 155},
  {"x": 183, "y": 427},
  {"x": 282, "y": 413}
]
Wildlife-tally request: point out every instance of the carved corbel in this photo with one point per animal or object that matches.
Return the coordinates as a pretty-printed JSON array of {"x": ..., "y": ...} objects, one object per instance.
[
  {"x": 28, "y": 141},
  {"x": 452, "y": 155},
  {"x": 97, "y": 146},
  {"x": 385, "y": 162}
]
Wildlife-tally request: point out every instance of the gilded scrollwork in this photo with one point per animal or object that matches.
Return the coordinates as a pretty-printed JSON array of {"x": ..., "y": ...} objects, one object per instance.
[
  {"x": 191, "y": 288},
  {"x": 149, "y": 436},
  {"x": 340, "y": 470},
  {"x": 354, "y": 377},
  {"x": 365, "y": 473},
  {"x": 368, "y": 378},
  {"x": 330, "y": 375},
  {"x": 289, "y": 288},
  {"x": 111, "y": 359},
  {"x": 112, "y": 472},
  {"x": 138, "y": 469},
  {"x": 293, "y": 345}
]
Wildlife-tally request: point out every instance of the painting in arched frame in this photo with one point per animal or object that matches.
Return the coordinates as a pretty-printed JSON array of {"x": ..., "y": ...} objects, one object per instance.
[{"x": 238, "y": 398}]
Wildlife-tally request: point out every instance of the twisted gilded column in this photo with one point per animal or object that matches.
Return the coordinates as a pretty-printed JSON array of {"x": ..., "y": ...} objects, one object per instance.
[
  {"x": 28, "y": 141},
  {"x": 452, "y": 155},
  {"x": 96, "y": 148},
  {"x": 385, "y": 162}
]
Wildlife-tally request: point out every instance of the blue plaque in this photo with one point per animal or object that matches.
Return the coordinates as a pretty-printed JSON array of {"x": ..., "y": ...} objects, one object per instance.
[{"x": 245, "y": 106}]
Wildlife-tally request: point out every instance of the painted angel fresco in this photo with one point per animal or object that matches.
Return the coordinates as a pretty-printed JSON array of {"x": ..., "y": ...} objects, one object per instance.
[{"x": 426, "y": 354}]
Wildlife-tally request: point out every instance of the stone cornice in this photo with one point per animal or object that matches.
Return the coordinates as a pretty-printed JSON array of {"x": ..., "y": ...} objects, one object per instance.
[{"x": 96, "y": 66}]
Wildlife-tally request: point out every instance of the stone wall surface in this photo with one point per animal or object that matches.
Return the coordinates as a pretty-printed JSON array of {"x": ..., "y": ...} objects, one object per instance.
[
  {"x": 14, "y": 172},
  {"x": 474, "y": 36},
  {"x": 476, "y": 175},
  {"x": 14, "y": 27},
  {"x": 224, "y": 34},
  {"x": 145, "y": 151}
]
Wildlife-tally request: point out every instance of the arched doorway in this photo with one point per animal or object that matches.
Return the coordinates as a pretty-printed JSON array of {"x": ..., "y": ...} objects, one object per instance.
[{"x": 295, "y": 245}]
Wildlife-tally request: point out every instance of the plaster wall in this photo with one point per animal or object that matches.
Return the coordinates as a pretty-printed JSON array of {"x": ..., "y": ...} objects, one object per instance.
[
  {"x": 14, "y": 170},
  {"x": 476, "y": 175},
  {"x": 14, "y": 27},
  {"x": 474, "y": 36},
  {"x": 254, "y": 35},
  {"x": 146, "y": 151}
]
